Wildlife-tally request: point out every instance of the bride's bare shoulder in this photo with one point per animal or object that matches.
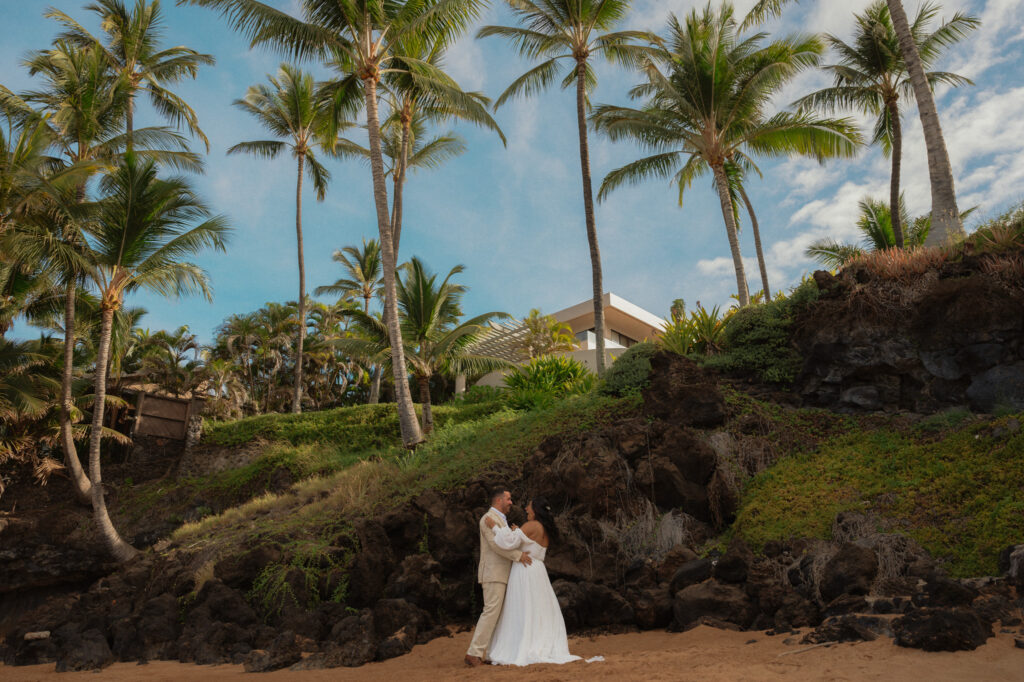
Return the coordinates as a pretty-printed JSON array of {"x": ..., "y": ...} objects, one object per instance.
[{"x": 534, "y": 530}]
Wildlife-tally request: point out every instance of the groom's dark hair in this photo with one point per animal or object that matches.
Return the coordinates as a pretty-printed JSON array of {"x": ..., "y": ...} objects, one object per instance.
[{"x": 497, "y": 491}]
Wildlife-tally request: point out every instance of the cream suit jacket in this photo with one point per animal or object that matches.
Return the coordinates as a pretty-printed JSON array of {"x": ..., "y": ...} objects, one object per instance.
[{"x": 495, "y": 562}]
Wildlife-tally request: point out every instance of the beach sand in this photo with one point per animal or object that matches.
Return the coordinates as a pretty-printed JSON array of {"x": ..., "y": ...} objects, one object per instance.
[{"x": 703, "y": 654}]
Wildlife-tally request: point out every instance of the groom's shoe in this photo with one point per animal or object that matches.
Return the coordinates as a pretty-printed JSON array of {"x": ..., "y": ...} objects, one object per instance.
[{"x": 474, "y": 661}]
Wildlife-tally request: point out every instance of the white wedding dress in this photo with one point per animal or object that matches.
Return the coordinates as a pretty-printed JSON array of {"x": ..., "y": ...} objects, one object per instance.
[{"x": 530, "y": 628}]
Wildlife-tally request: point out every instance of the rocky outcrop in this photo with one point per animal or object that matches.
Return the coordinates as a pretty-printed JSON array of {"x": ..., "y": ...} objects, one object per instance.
[{"x": 954, "y": 339}]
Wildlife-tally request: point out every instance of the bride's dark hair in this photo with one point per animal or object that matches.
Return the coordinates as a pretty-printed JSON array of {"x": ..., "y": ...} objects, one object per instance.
[{"x": 543, "y": 514}]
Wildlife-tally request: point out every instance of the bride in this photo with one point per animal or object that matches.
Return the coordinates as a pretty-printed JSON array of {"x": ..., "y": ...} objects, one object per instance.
[{"x": 530, "y": 629}]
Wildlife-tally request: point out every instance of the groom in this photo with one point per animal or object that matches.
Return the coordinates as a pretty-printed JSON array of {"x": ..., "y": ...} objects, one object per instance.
[{"x": 495, "y": 565}]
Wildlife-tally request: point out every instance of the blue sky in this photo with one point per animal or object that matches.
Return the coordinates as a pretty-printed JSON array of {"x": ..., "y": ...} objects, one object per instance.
[{"x": 513, "y": 216}]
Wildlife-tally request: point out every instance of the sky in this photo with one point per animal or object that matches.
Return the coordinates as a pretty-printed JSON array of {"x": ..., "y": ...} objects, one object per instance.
[{"x": 513, "y": 216}]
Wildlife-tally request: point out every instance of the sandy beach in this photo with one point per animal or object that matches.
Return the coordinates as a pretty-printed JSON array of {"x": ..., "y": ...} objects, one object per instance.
[{"x": 703, "y": 654}]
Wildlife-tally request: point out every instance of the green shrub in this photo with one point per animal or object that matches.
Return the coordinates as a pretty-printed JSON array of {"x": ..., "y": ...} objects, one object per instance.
[
  {"x": 476, "y": 395},
  {"x": 629, "y": 374},
  {"x": 757, "y": 338},
  {"x": 543, "y": 380}
]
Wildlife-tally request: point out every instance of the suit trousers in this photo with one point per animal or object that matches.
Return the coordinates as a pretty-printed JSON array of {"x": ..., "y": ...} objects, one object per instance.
[{"x": 494, "y": 598}]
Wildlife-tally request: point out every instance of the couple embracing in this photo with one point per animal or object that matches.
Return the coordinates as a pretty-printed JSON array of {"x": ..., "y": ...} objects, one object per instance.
[{"x": 521, "y": 623}]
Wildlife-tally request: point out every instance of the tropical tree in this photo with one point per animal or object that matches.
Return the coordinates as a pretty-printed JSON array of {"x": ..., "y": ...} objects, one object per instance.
[
  {"x": 363, "y": 35},
  {"x": 133, "y": 52},
  {"x": 871, "y": 77},
  {"x": 83, "y": 106},
  {"x": 436, "y": 342},
  {"x": 875, "y": 225},
  {"x": 362, "y": 268},
  {"x": 544, "y": 335},
  {"x": 710, "y": 110},
  {"x": 405, "y": 147},
  {"x": 555, "y": 30},
  {"x": 292, "y": 108},
  {"x": 420, "y": 96},
  {"x": 945, "y": 214},
  {"x": 143, "y": 230},
  {"x": 738, "y": 192}
]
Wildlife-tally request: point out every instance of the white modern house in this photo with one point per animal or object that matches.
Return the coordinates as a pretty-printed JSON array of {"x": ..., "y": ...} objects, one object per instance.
[{"x": 624, "y": 324}]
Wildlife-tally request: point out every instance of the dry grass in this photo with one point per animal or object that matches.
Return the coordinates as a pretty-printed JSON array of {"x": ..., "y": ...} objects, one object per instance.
[
  {"x": 648, "y": 533},
  {"x": 900, "y": 265}
]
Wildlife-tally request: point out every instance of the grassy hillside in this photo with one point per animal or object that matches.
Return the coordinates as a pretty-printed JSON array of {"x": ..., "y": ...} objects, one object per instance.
[{"x": 952, "y": 482}]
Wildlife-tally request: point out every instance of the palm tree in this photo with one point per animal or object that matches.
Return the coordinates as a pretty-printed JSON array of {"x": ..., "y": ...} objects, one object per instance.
[
  {"x": 709, "y": 111},
  {"x": 143, "y": 230},
  {"x": 292, "y": 109},
  {"x": 362, "y": 34},
  {"x": 133, "y": 52},
  {"x": 363, "y": 270},
  {"x": 435, "y": 341},
  {"x": 419, "y": 97},
  {"x": 945, "y": 214},
  {"x": 737, "y": 181},
  {"x": 545, "y": 335},
  {"x": 877, "y": 228},
  {"x": 570, "y": 29},
  {"x": 405, "y": 147},
  {"x": 872, "y": 77},
  {"x": 82, "y": 106}
]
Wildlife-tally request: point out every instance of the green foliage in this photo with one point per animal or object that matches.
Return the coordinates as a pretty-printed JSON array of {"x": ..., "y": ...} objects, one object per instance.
[
  {"x": 475, "y": 395},
  {"x": 699, "y": 332},
  {"x": 958, "y": 495},
  {"x": 756, "y": 338},
  {"x": 309, "y": 560},
  {"x": 358, "y": 429},
  {"x": 629, "y": 374},
  {"x": 541, "y": 381}
]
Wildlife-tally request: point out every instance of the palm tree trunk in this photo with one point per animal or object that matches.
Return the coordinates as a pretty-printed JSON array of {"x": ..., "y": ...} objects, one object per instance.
[
  {"x": 375, "y": 380},
  {"x": 396, "y": 214},
  {"x": 79, "y": 480},
  {"x": 730, "y": 230},
  {"x": 375, "y": 373},
  {"x": 411, "y": 433},
  {"x": 946, "y": 221},
  {"x": 894, "y": 180},
  {"x": 297, "y": 393},
  {"x": 130, "y": 121},
  {"x": 588, "y": 210},
  {"x": 428, "y": 416},
  {"x": 121, "y": 550},
  {"x": 755, "y": 228}
]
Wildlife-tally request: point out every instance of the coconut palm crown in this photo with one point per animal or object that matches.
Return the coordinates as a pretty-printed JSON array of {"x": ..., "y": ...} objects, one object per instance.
[
  {"x": 871, "y": 77},
  {"x": 564, "y": 34},
  {"x": 707, "y": 100}
]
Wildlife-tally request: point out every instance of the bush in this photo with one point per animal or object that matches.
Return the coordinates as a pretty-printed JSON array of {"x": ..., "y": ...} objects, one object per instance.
[
  {"x": 757, "y": 338},
  {"x": 629, "y": 374},
  {"x": 476, "y": 395},
  {"x": 543, "y": 380}
]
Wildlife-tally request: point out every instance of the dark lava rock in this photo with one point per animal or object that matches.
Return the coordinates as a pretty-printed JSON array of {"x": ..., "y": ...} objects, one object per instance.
[
  {"x": 850, "y": 571},
  {"x": 398, "y": 644},
  {"x": 417, "y": 581},
  {"x": 392, "y": 615},
  {"x": 240, "y": 570},
  {"x": 352, "y": 642},
  {"x": 284, "y": 651},
  {"x": 652, "y": 607},
  {"x": 674, "y": 559},
  {"x": 604, "y": 606},
  {"x": 941, "y": 629},
  {"x": 942, "y": 591},
  {"x": 1011, "y": 564},
  {"x": 682, "y": 391},
  {"x": 1001, "y": 385},
  {"x": 86, "y": 651},
  {"x": 715, "y": 600},
  {"x": 847, "y": 628},
  {"x": 732, "y": 566},
  {"x": 691, "y": 573}
]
